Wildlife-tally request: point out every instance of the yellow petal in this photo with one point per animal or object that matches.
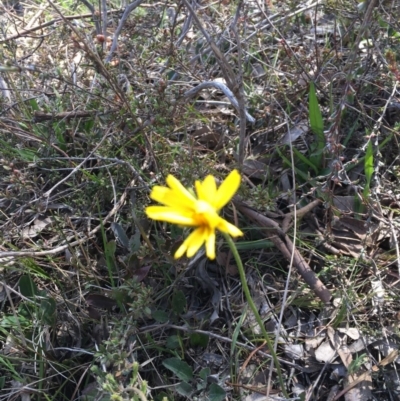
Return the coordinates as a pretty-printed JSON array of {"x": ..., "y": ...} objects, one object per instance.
[
  {"x": 207, "y": 190},
  {"x": 191, "y": 244},
  {"x": 181, "y": 192},
  {"x": 210, "y": 245},
  {"x": 169, "y": 197},
  {"x": 170, "y": 215},
  {"x": 195, "y": 241},
  {"x": 229, "y": 228},
  {"x": 181, "y": 250},
  {"x": 159, "y": 193},
  {"x": 227, "y": 189}
]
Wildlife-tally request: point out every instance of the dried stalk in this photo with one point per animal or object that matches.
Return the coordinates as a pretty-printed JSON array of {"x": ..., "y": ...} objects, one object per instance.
[{"x": 285, "y": 245}]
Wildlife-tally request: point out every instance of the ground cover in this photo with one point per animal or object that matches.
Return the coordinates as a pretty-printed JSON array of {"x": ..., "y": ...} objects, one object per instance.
[{"x": 101, "y": 102}]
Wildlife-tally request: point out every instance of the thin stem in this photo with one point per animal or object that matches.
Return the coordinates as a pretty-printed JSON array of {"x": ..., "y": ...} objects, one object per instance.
[{"x": 253, "y": 307}]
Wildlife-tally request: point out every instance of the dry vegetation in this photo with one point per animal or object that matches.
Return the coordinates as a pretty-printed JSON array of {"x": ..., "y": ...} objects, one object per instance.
[{"x": 99, "y": 102}]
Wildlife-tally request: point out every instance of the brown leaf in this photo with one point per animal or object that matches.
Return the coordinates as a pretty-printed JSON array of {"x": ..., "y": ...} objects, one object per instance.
[
  {"x": 100, "y": 301},
  {"x": 141, "y": 273}
]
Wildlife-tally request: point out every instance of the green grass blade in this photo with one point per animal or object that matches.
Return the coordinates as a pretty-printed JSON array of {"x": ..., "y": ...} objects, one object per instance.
[
  {"x": 315, "y": 116},
  {"x": 368, "y": 168},
  {"x": 304, "y": 159},
  {"x": 303, "y": 175}
]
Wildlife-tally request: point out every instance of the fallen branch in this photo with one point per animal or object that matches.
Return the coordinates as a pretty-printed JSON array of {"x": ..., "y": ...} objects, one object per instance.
[{"x": 285, "y": 245}]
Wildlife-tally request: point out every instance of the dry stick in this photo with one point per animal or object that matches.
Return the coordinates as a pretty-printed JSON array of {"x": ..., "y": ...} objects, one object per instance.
[
  {"x": 129, "y": 8},
  {"x": 95, "y": 17},
  {"x": 90, "y": 234},
  {"x": 104, "y": 20},
  {"x": 96, "y": 60},
  {"x": 43, "y": 116},
  {"x": 235, "y": 84},
  {"x": 76, "y": 169},
  {"x": 285, "y": 245},
  {"x": 221, "y": 338},
  {"x": 389, "y": 359},
  {"x": 46, "y": 24},
  {"x": 349, "y": 67},
  {"x": 240, "y": 94},
  {"x": 94, "y": 57},
  {"x": 226, "y": 91}
]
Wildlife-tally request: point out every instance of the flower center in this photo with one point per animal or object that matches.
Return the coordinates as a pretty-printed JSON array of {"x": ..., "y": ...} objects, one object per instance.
[{"x": 206, "y": 214}]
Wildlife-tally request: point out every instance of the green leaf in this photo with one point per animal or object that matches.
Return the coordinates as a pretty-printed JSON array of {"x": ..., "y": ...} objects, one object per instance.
[
  {"x": 315, "y": 116},
  {"x": 316, "y": 121},
  {"x": 180, "y": 368},
  {"x": 120, "y": 235},
  {"x": 178, "y": 302},
  {"x": 303, "y": 176},
  {"x": 8, "y": 367},
  {"x": 27, "y": 287},
  {"x": 27, "y": 155},
  {"x": 33, "y": 104},
  {"x": 199, "y": 340},
  {"x": 369, "y": 163},
  {"x": 172, "y": 342},
  {"x": 48, "y": 310},
  {"x": 184, "y": 389},
  {"x": 305, "y": 160},
  {"x": 14, "y": 322},
  {"x": 204, "y": 373},
  {"x": 160, "y": 316},
  {"x": 34, "y": 268},
  {"x": 256, "y": 244},
  {"x": 217, "y": 393},
  {"x": 160, "y": 396},
  {"x": 134, "y": 241},
  {"x": 109, "y": 250}
]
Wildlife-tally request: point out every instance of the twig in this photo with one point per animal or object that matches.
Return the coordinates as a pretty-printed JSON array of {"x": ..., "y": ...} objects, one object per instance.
[
  {"x": 234, "y": 83},
  {"x": 76, "y": 169},
  {"x": 42, "y": 116},
  {"x": 240, "y": 91},
  {"x": 223, "y": 88},
  {"x": 95, "y": 17},
  {"x": 89, "y": 235},
  {"x": 46, "y": 24},
  {"x": 129, "y": 8},
  {"x": 224, "y": 339},
  {"x": 285, "y": 245},
  {"x": 389, "y": 359}
]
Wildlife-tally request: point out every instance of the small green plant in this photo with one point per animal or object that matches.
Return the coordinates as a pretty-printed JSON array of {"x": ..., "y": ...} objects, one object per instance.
[
  {"x": 312, "y": 164},
  {"x": 111, "y": 389},
  {"x": 191, "y": 384},
  {"x": 356, "y": 364}
]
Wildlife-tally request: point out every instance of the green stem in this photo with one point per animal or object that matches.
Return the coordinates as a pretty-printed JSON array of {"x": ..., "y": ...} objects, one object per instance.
[{"x": 253, "y": 307}]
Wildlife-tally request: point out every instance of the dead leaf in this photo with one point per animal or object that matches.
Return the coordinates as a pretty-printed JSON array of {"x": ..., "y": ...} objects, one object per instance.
[
  {"x": 325, "y": 352},
  {"x": 141, "y": 273},
  {"x": 352, "y": 332},
  {"x": 295, "y": 132},
  {"x": 389, "y": 359},
  {"x": 100, "y": 301},
  {"x": 36, "y": 228},
  {"x": 255, "y": 169},
  {"x": 294, "y": 351}
]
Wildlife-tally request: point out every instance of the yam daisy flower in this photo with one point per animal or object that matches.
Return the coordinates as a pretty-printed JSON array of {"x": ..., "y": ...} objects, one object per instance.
[{"x": 202, "y": 211}]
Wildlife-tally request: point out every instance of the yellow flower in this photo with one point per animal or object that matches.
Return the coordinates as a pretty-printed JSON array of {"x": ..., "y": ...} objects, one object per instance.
[{"x": 184, "y": 208}]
